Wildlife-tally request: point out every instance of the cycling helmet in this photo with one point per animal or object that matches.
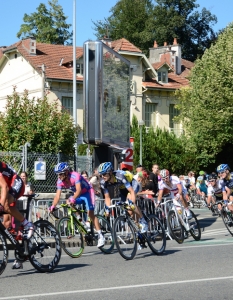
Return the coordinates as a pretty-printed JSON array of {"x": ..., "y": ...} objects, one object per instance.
[
  {"x": 200, "y": 178},
  {"x": 164, "y": 173},
  {"x": 212, "y": 176},
  {"x": 222, "y": 168},
  {"x": 105, "y": 167},
  {"x": 61, "y": 167},
  {"x": 202, "y": 173}
]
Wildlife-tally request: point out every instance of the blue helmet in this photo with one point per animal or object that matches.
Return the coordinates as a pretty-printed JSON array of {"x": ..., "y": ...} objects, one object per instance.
[
  {"x": 105, "y": 167},
  {"x": 222, "y": 168},
  {"x": 61, "y": 167}
]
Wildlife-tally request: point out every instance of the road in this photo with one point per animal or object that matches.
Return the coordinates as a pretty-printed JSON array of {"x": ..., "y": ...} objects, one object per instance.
[{"x": 193, "y": 270}]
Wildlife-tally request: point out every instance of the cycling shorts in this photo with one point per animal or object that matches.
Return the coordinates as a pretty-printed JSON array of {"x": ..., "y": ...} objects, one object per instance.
[
  {"x": 17, "y": 188},
  {"x": 88, "y": 199}
]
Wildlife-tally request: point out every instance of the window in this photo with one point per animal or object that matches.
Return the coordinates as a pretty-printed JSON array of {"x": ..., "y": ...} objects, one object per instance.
[
  {"x": 173, "y": 112},
  {"x": 162, "y": 77},
  {"x": 150, "y": 114},
  {"x": 79, "y": 69},
  {"x": 67, "y": 104}
]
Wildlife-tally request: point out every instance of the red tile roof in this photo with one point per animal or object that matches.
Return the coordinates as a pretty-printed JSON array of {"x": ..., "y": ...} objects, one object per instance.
[
  {"x": 123, "y": 45},
  {"x": 51, "y": 56},
  {"x": 159, "y": 65},
  {"x": 174, "y": 82}
]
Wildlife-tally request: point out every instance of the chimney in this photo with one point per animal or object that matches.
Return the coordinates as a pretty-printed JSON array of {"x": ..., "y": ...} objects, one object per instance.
[
  {"x": 155, "y": 44},
  {"x": 175, "y": 41},
  {"x": 30, "y": 45},
  {"x": 165, "y": 43}
]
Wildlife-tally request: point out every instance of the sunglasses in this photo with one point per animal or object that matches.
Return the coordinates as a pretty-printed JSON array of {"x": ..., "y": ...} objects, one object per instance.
[
  {"x": 222, "y": 172},
  {"x": 105, "y": 174},
  {"x": 211, "y": 180},
  {"x": 165, "y": 178},
  {"x": 59, "y": 174}
]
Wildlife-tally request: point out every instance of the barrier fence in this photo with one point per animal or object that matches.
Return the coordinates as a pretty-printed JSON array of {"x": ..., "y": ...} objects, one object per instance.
[{"x": 39, "y": 209}]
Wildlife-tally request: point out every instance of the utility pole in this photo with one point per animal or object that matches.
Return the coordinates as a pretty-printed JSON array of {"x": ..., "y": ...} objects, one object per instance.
[
  {"x": 43, "y": 81},
  {"x": 74, "y": 71}
]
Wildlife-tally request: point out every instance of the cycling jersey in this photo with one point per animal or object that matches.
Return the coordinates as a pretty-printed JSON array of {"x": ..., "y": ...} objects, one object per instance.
[
  {"x": 174, "y": 180},
  {"x": 87, "y": 193},
  {"x": 13, "y": 180},
  {"x": 121, "y": 179},
  {"x": 215, "y": 190},
  {"x": 74, "y": 178},
  {"x": 228, "y": 184}
]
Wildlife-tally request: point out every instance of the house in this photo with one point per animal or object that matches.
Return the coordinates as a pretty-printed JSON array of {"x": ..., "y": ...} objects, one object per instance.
[{"x": 45, "y": 68}]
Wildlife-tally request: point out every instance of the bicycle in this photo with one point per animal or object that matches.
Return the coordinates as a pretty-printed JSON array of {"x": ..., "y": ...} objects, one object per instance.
[
  {"x": 179, "y": 224},
  {"x": 126, "y": 233},
  {"x": 43, "y": 249},
  {"x": 227, "y": 218},
  {"x": 162, "y": 213},
  {"x": 73, "y": 232}
]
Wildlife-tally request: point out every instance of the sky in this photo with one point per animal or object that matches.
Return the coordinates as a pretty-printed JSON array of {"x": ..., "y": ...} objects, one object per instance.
[{"x": 12, "y": 12}]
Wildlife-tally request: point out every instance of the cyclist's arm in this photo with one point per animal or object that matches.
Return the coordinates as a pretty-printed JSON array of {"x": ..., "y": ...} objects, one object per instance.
[
  {"x": 226, "y": 193},
  {"x": 57, "y": 197},
  {"x": 107, "y": 199},
  {"x": 160, "y": 196},
  {"x": 4, "y": 190},
  {"x": 78, "y": 191}
]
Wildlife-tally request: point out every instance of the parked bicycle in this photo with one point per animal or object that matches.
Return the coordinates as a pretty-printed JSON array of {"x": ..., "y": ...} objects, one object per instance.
[
  {"x": 43, "y": 249},
  {"x": 73, "y": 232},
  {"x": 180, "y": 225},
  {"x": 127, "y": 235}
]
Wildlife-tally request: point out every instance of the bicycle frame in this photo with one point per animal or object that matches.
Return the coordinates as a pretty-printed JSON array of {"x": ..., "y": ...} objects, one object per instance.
[
  {"x": 13, "y": 241},
  {"x": 179, "y": 216},
  {"x": 165, "y": 209}
]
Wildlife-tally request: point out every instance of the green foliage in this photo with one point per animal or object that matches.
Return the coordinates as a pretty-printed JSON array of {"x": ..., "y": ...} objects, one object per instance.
[
  {"x": 163, "y": 148},
  {"x": 143, "y": 22},
  {"x": 47, "y": 25},
  {"x": 193, "y": 28},
  {"x": 207, "y": 106},
  {"x": 133, "y": 21},
  {"x": 36, "y": 121}
]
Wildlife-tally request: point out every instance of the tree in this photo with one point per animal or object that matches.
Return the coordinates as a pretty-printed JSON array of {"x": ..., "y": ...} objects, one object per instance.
[
  {"x": 207, "y": 105},
  {"x": 144, "y": 22},
  {"x": 40, "y": 122},
  {"x": 164, "y": 148},
  {"x": 47, "y": 25},
  {"x": 180, "y": 19},
  {"x": 131, "y": 21}
]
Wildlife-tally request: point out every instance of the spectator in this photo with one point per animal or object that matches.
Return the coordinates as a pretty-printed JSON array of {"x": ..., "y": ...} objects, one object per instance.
[
  {"x": 29, "y": 189},
  {"x": 95, "y": 182},
  {"x": 85, "y": 175},
  {"x": 139, "y": 168},
  {"x": 153, "y": 178}
]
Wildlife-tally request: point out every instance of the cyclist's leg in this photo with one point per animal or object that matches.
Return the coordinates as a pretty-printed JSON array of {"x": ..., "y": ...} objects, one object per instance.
[{"x": 90, "y": 206}]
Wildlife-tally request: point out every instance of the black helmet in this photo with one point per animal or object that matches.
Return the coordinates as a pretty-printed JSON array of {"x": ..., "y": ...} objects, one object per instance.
[{"x": 212, "y": 176}]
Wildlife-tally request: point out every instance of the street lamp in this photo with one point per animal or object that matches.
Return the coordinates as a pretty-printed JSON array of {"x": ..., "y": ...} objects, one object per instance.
[{"x": 140, "y": 124}]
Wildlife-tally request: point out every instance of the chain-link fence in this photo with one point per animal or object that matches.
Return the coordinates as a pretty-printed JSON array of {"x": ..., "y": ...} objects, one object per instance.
[{"x": 16, "y": 159}]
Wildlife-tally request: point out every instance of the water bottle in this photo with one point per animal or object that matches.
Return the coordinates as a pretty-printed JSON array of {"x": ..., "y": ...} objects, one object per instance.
[{"x": 82, "y": 222}]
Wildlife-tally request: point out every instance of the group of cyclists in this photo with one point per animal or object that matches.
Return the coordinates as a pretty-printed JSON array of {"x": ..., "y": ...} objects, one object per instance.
[{"x": 218, "y": 186}]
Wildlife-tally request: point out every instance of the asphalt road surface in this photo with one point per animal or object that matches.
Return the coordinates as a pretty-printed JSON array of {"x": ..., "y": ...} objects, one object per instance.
[{"x": 192, "y": 270}]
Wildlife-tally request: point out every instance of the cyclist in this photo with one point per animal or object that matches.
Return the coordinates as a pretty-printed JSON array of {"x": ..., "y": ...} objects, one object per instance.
[
  {"x": 83, "y": 193},
  {"x": 12, "y": 187},
  {"x": 173, "y": 184},
  {"x": 127, "y": 185},
  {"x": 214, "y": 190},
  {"x": 227, "y": 184},
  {"x": 201, "y": 186}
]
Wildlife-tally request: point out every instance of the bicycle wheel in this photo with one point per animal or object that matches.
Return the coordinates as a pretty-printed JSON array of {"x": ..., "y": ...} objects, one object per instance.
[
  {"x": 71, "y": 240},
  {"x": 107, "y": 233},
  {"x": 44, "y": 247},
  {"x": 156, "y": 237},
  {"x": 125, "y": 237},
  {"x": 175, "y": 227},
  {"x": 3, "y": 253},
  {"x": 227, "y": 220},
  {"x": 194, "y": 226}
]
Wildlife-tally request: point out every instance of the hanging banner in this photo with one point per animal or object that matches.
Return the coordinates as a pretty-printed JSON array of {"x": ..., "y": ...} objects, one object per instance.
[{"x": 128, "y": 162}]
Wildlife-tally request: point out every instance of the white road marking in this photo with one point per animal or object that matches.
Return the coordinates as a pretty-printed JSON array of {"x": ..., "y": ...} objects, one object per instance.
[{"x": 117, "y": 288}]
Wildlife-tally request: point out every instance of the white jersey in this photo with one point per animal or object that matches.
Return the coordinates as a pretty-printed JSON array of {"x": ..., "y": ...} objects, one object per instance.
[
  {"x": 173, "y": 188},
  {"x": 215, "y": 190}
]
